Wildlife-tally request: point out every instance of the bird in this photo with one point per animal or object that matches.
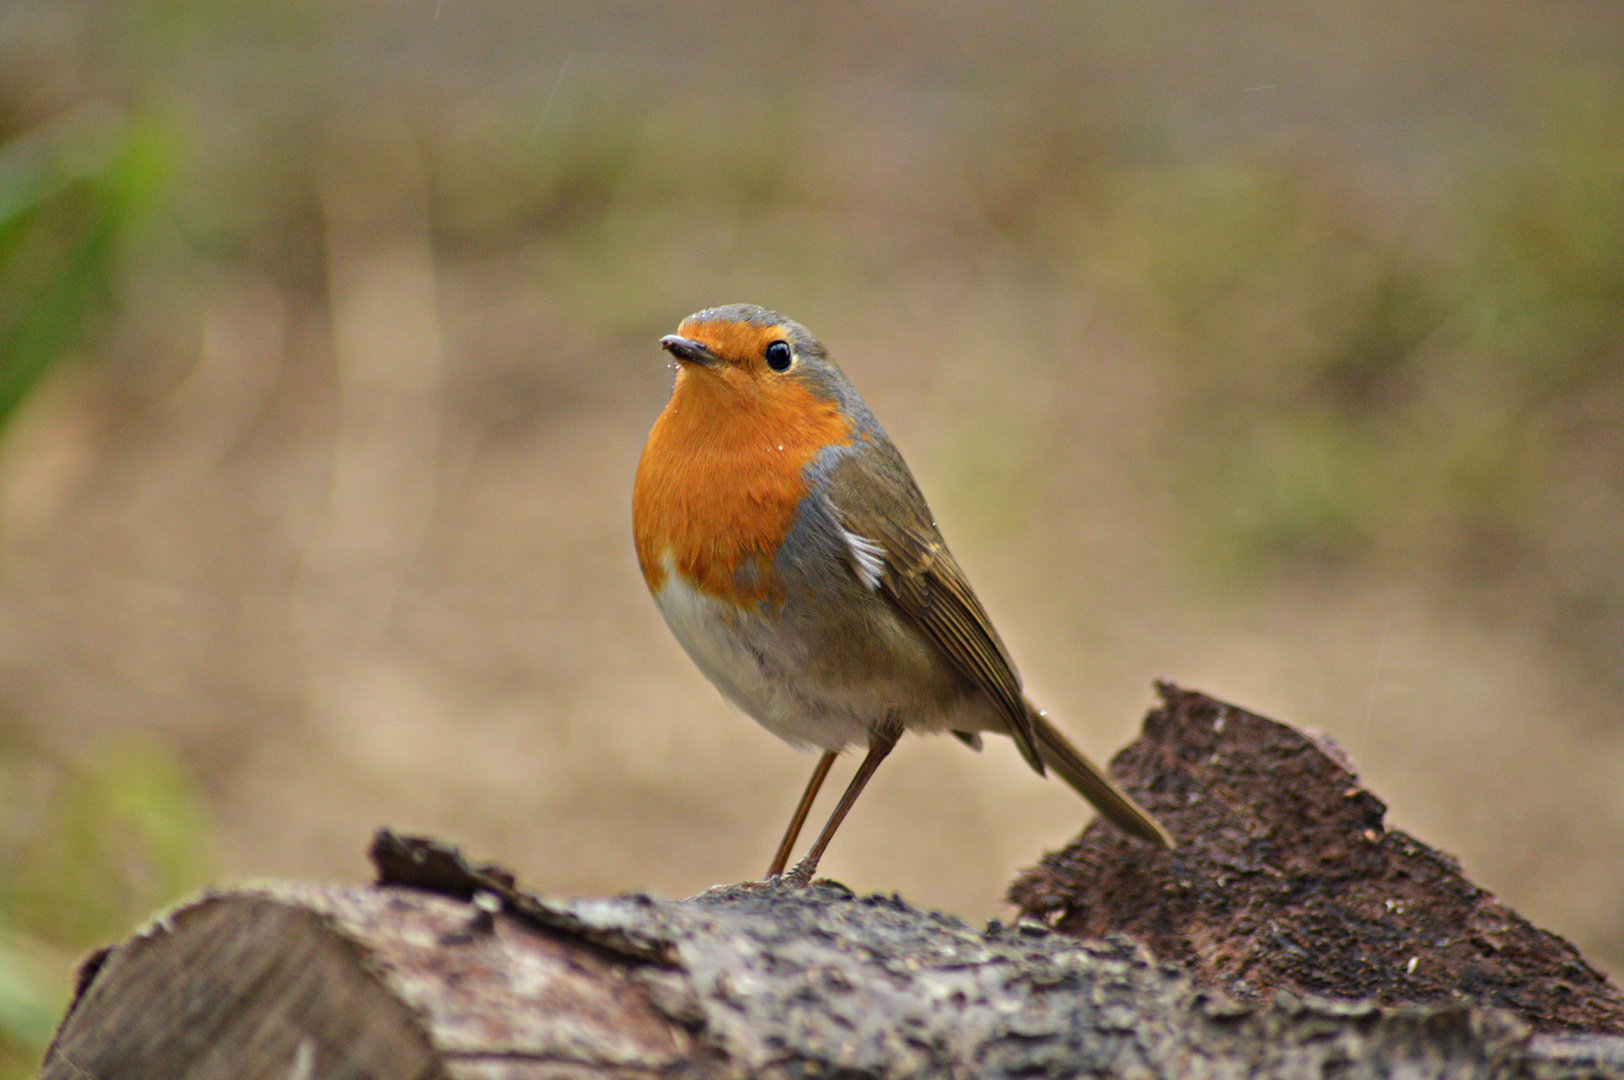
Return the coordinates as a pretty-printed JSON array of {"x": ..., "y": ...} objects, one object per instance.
[{"x": 792, "y": 554}]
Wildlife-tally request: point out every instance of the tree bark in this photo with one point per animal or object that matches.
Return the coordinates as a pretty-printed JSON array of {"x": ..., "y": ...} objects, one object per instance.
[
  {"x": 1286, "y": 878},
  {"x": 447, "y": 970}
]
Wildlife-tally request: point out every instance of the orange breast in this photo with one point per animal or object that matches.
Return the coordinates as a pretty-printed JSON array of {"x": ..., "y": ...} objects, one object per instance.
[{"x": 720, "y": 478}]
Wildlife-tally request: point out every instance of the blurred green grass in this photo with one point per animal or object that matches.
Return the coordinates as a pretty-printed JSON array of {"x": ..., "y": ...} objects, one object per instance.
[
  {"x": 68, "y": 192},
  {"x": 1355, "y": 378},
  {"x": 92, "y": 843},
  {"x": 1424, "y": 397}
]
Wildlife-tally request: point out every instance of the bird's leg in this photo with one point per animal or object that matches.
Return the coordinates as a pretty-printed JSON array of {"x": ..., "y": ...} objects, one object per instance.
[
  {"x": 792, "y": 833},
  {"x": 880, "y": 744}
]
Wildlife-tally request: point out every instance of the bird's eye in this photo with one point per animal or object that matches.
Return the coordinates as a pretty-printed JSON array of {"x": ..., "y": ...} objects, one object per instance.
[{"x": 778, "y": 356}]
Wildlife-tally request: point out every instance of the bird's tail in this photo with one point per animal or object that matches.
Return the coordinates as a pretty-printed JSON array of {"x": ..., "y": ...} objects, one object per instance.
[{"x": 1091, "y": 782}]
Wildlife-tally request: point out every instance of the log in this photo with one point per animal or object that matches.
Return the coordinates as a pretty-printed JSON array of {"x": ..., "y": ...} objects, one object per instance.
[{"x": 448, "y": 969}]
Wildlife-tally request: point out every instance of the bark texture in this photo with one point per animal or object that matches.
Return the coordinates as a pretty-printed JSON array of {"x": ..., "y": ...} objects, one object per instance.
[
  {"x": 446, "y": 970},
  {"x": 1289, "y": 935},
  {"x": 1285, "y": 878}
]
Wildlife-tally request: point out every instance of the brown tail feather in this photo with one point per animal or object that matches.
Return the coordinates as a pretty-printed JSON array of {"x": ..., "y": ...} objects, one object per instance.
[{"x": 1092, "y": 784}]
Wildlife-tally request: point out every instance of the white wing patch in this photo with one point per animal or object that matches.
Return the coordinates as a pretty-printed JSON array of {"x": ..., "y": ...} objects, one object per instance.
[{"x": 868, "y": 558}]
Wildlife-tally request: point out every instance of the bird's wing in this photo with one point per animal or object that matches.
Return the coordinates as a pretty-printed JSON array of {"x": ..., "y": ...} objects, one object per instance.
[{"x": 897, "y": 552}]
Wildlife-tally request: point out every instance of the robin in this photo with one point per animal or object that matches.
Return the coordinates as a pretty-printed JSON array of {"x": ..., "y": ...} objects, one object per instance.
[{"x": 793, "y": 556}]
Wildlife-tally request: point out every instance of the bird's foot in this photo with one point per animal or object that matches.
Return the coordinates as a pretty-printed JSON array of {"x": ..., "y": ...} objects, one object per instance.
[{"x": 799, "y": 876}]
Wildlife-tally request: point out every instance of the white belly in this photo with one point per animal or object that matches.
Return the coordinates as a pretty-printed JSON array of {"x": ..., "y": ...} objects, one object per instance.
[{"x": 760, "y": 669}]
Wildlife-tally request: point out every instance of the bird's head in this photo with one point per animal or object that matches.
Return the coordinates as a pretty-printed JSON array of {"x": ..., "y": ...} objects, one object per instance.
[{"x": 754, "y": 352}]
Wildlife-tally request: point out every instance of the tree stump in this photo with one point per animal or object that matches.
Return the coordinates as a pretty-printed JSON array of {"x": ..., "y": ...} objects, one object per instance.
[{"x": 446, "y": 969}]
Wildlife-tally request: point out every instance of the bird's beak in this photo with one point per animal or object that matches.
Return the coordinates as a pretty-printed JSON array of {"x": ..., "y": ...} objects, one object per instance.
[{"x": 688, "y": 350}]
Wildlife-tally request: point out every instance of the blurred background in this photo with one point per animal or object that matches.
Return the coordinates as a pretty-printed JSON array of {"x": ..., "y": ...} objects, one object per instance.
[{"x": 1277, "y": 350}]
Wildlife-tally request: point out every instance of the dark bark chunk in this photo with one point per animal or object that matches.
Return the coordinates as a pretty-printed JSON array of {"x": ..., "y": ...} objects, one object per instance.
[{"x": 1285, "y": 878}]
